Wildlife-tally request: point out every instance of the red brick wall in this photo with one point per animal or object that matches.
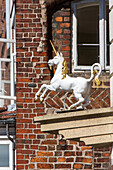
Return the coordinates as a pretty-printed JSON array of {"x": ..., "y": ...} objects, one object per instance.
[
  {"x": 61, "y": 33},
  {"x": 35, "y": 149}
]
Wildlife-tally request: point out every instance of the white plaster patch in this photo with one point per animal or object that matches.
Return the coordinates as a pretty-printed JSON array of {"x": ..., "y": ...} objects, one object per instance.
[
  {"x": 111, "y": 58},
  {"x": 111, "y": 25},
  {"x": 110, "y": 4}
]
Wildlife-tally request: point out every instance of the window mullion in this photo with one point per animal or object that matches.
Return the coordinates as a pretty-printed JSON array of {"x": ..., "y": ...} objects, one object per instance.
[
  {"x": 105, "y": 37},
  {"x": 102, "y": 32},
  {"x": 8, "y": 21},
  {"x": 4, "y": 40},
  {"x": 75, "y": 54},
  {"x": 8, "y": 57},
  {"x": 11, "y": 55}
]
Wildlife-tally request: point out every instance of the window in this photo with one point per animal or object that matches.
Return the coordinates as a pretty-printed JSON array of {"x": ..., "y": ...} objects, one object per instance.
[
  {"x": 90, "y": 34},
  {"x": 7, "y": 52},
  {"x": 6, "y": 155}
]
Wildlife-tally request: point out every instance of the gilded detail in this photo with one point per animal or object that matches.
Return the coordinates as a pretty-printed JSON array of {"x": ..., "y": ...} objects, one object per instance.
[{"x": 64, "y": 68}]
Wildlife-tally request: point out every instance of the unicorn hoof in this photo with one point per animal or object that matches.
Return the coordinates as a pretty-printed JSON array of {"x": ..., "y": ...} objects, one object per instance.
[
  {"x": 41, "y": 100},
  {"x": 36, "y": 100},
  {"x": 79, "y": 107}
]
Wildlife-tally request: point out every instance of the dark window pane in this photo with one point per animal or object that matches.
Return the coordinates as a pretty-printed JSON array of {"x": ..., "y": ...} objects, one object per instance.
[
  {"x": 87, "y": 55},
  {"x": 88, "y": 33},
  {"x": 4, "y": 155},
  {"x": 88, "y": 25}
]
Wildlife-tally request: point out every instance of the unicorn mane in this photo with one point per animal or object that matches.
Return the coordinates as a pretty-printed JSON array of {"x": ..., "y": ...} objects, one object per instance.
[{"x": 64, "y": 68}]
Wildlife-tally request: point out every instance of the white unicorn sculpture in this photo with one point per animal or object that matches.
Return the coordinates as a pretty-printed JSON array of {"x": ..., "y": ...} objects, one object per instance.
[{"x": 81, "y": 86}]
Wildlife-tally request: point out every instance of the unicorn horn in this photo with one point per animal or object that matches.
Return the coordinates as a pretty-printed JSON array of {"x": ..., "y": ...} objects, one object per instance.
[{"x": 53, "y": 47}]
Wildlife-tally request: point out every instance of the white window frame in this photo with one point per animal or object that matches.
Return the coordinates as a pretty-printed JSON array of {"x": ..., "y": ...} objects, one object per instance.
[
  {"x": 10, "y": 19},
  {"x": 102, "y": 34},
  {"x": 5, "y": 140}
]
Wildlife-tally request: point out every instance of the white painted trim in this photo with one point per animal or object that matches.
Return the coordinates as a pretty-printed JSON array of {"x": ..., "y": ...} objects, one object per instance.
[
  {"x": 111, "y": 72},
  {"x": 112, "y": 155},
  {"x": 10, "y": 38},
  {"x": 4, "y": 140},
  {"x": 88, "y": 44},
  {"x": 8, "y": 97},
  {"x": 75, "y": 53},
  {"x": 7, "y": 40},
  {"x": 102, "y": 32},
  {"x": 6, "y": 81},
  {"x": 8, "y": 22},
  {"x": 1, "y": 102},
  {"x": 5, "y": 59}
]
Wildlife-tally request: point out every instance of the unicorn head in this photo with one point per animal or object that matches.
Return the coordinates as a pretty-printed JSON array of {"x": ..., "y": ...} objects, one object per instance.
[
  {"x": 56, "y": 60},
  {"x": 59, "y": 60}
]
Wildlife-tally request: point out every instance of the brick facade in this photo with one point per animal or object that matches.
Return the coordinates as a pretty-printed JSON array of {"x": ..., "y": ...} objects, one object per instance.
[{"x": 35, "y": 149}]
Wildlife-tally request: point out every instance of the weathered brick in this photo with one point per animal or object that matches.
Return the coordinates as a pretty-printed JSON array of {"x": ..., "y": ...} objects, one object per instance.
[
  {"x": 59, "y": 166},
  {"x": 20, "y": 166},
  {"x": 51, "y": 147},
  {"x": 64, "y": 25},
  {"x": 43, "y": 148},
  {"x": 68, "y": 153},
  {"x": 22, "y": 161},
  {"x": 59, "y": 31},
  {"x": 36, "y": 141},
  {"x": 45, "y": 166},
  {"x": 32, "y": 166},
  {"x": 52, "y": 159},
  {"x": 83, "y": 159},
  {"x": 24, "y": 131},
  {"x": 89, "y": 153},
  {"x": 69, "y": 159},
  {"x": 78, "y": 166},
  {"x": 97, "y": 165},
  {"x": 20, "y": 156},
  {"x": 59, "y": 19},
  {"x": 49, "y": 142},
  {"x": 42, "y": 153},
  {"x": 105, "y": 154},
  {"x": 39, "y": 160},
  {"x": 86, "y": 147},
  {"x": 32, "y": 136},
  {"x": 58, "y": 153},
  {"x": 103, "y": 160},
  {"x": 97, "y": 154},
  {"x": 66, "y": 18},
  {"x": 79, "y": 153},
  {"x": 61, "y": 159},
  {"x": 88, "y": 167}
]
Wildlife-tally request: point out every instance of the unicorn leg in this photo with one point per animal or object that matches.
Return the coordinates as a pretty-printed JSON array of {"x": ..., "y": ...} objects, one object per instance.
[
  {"x": 38, "y": 93},
  {"x": 47, "y": 87},
  {"x": 80, "y": 100},
  {"x": 86, "y": 104},
  {"x": 43, "y": 94}
]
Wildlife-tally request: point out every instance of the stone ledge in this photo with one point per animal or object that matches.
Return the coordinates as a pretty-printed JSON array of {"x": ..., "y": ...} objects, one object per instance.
[
  {"x": 93, "y": 126},
  {"x": 74, "y": 114}
]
